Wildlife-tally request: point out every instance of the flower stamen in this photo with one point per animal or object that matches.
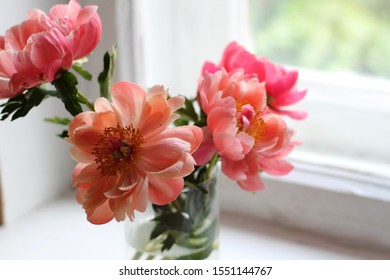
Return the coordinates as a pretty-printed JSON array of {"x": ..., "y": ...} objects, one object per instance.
[
  {"x": 249, "y": 121},
  {"x": 117, "y": 149}
]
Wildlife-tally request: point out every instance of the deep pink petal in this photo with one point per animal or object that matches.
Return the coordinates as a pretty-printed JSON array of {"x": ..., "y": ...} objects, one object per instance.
[
  {"x": 85, "y": 38},
  {"x": 51, "y": 47}
]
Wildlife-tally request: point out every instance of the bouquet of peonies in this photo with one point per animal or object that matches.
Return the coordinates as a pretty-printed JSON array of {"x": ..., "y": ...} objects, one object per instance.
[{"x": 136, "y": 147}]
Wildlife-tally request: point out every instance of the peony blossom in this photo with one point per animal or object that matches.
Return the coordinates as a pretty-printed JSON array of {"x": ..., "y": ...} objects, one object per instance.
[
  {"x": 241, "y": 130},
  {"x": 33, "y": 52},
  {"x": 128, "y": 153},
  {"x": 280, "y": 84}
]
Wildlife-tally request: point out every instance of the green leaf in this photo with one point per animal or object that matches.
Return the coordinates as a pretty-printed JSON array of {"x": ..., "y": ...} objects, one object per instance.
[
  {"x": 68, "y": 92},
  {"x": 158, "y": 230},
  {"x": 190, "y": 109},
  {"x": 195, "y": 186},
  {"x": 168, "y": 243},
  {"x": 82, "y": 72},
  {"x": 187, "y": 113},
  {"x": 105, "y": 77},
  {"x": 64, "y": 134},
  {"x": 20, "y": 105},
  {"x": 175, "y": 221},
  {"x": 58, "y": 120}
]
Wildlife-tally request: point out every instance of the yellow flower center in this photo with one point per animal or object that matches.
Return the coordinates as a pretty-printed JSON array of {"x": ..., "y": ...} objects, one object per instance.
[
  {"x": 117, "y": 149},
  {"x": 249, "y": 121},
  {"x": 256, "y": 128}
]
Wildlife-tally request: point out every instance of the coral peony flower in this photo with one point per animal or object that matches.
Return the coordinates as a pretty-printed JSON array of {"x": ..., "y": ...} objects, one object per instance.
[
  {"x": 33, "y": 52},
  {"x": 280, "y": 83},
  {"x": 128, "y": 154},
  {"x": 242, "y": 131}
]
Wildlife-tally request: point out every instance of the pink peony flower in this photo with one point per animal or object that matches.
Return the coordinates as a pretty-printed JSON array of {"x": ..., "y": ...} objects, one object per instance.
[
  {"x": 280, "y": 83},
  {"x": 128, "y": 154},
  {"x": 33, "y": 52},
  {"x": 241, "y": 130}
]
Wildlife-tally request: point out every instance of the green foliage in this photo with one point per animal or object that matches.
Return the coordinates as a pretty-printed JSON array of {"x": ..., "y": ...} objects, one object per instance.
[
  {"x": 60, "y": 121},
  {"x": 20, "y": 105},
  {"x": 68, "y": 92},
  {"x": 105, "y": 77},
  {"x": 82, "y": 72},
  {"x": 189, "y": 115}
]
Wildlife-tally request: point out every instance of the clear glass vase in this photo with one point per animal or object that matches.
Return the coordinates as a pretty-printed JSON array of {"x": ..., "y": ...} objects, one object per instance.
[{"x": 187, "y": 228}]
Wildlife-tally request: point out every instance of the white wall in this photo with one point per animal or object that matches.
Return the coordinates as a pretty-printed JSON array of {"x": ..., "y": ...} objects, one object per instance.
[{"x": 35, "y": 164}]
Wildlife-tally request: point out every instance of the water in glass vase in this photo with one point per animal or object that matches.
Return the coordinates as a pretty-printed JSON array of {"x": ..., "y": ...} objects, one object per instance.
[{"x": 187, "y": 228}]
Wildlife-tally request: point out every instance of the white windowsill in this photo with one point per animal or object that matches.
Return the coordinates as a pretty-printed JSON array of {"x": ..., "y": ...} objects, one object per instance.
[{"x": 59, "y": 231}]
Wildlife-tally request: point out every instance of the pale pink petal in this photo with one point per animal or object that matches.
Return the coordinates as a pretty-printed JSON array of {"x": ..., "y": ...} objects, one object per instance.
[
  {"x": 102, "y": 105},
  {"x": 81, "y": 156},
  {"x": 163, "y": 154},
  {"x": 189, "y": 134},
  {"x": 129, "y": 99}
]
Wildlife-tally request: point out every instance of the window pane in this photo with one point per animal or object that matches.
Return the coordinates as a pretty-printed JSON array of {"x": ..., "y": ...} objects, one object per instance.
[{"x": 328, "y": 35}]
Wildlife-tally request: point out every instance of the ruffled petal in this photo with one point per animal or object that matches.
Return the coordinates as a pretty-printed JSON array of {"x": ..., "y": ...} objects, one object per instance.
[
  {"x": 129, "y": 100},
  {"x": 163, "y": 191}
]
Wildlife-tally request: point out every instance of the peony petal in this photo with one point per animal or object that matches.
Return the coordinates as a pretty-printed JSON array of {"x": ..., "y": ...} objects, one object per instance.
[
  {"x": 252, "y": 183},
  {"x": 276, "y": 166},
  {"x": 102, "y": 105},
  {"x": 49, "y": 48},
  {"x": 164, "y": 191},
  {"x": 80, "y": 155},
  {"x": 163, "y": 154},
  {"x": 86, "y": 137},
  {"x": 129, "y": 100},
  {"x": 190, "y": 134},
  {"x": 85, "y": 38},
  {"x": 101, "y": 214},
  {"x": 228, "y": 146},
  {"x": 235, "y": 170}
]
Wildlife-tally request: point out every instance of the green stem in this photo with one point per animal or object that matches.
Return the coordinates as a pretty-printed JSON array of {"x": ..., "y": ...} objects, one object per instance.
[
  {"x": 137, "y": 255},
  {"x": 212, "y": 164},
  {"x": 83, "y": 99},
  {"x": 176, "y": 204}
]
